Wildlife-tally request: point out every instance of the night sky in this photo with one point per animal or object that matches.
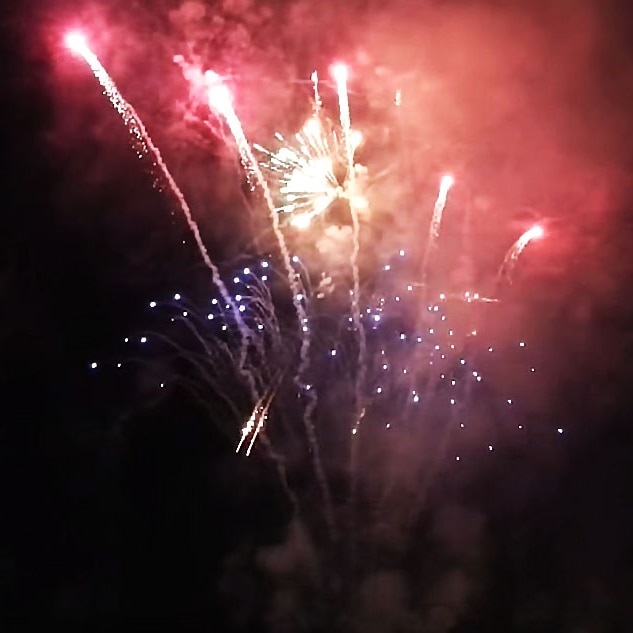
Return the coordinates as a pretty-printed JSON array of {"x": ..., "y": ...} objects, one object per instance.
[{"x": 124, "y": 505}]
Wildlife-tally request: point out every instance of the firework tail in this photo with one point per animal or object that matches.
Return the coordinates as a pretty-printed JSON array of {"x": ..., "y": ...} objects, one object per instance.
[
  {"x": 220, "y": 101},
  {"x": 340, "y": 74},
  {"x": 146, "y": 146},
  {"x": 317, "y": 97},
  {"x": 434, "y": 229},
  {"x": 514, "y": 252},
  {"x": 255, "y": 422}
]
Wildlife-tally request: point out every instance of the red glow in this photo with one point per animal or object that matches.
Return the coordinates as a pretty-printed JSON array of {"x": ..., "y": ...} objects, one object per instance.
[
  {"x": 218, "y": 94},
  {"x": 340, "y": 72},
  {"x": 536, "y": 232},
  {"x": 447, "y": 182},
  {"x": 76, "y": 42}
]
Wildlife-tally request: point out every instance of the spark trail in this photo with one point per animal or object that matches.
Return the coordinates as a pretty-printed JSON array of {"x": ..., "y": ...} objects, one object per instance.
[
  {"x": 340, "y": 75},
  {"x": 317, "y": 97},
  {"x": 436, "y": 222},
  {"x": 219, "y": 100},
  {"x": 77, "y": 43},
  {"x": 514, "y": 252},
  {"x": 258, "y": 418},
  {"x": 255, "y": 422}
]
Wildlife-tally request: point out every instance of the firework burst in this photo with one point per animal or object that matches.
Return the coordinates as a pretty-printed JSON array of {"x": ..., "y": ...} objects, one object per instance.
[
  {"x": 308, "y": 172},
  {"x": 396, "y": 357}
]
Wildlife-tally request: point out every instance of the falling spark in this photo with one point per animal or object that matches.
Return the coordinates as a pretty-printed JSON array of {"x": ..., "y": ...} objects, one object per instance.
[
  {"x": 302, "y": 178},
  {"x": 259, "y": 416},
  {"x": 250, "y": 423},
  {"x": 263, "y": 418},
  {"x": 256, "y": 422}
]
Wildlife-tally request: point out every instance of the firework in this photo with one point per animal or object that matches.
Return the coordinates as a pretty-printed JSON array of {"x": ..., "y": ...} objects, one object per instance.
[
  {"x": 340, "y": 73},
  {"x": 419, "y": 376},
  {"x": 317, "y": 97},
  {"x": 219, "y": 100},
  {"x": 436, "y": 221},
  {"x": 256, "y": 421},
  {"x": 303, "y": 172},
  {"x": 514, "y": 252},
  {"x": 77, "y": 43}
]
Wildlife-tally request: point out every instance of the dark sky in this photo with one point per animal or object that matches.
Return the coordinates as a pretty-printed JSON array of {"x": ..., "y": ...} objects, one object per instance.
[{"x": 122, "y": 507}]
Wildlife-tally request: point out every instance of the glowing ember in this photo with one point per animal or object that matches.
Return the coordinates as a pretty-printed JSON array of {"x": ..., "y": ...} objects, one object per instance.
[{"x": 76, "y": 42}]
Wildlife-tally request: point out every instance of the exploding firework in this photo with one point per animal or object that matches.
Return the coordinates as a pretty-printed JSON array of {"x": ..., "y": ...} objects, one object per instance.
[
  {"x": 385, "y": 369},
  {"x": 76, "y": 42},
  {"x": 304, "y": 173},
  {"x": 308, "y": 173}
]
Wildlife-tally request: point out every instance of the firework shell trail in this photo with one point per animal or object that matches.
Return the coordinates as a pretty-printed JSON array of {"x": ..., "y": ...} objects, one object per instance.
[
  {"x": 317, "y": 97},
  {"x": 436, "y": 223},
  {"x": 219, "y": 99},
  {"x": 514, "y": 252},
  {"x": 77, "y": 43},
  {"x": 340, "y": 73},
  {"x": 262, "y": 419}
]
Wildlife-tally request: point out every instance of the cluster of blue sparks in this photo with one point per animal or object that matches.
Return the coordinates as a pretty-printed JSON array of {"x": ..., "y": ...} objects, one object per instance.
[{"x": 421, "y": 365}]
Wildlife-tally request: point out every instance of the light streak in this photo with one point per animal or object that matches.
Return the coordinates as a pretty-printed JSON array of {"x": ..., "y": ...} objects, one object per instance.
[
  {"x": 77, "y": 43},
  {"x": 514, "y": 252},
  {"x": 317, "y": 97},
  {"x": 422, "y": 358},
  {"x": 436, "y": 221},
  {"x": 219, "y": 100},
  {"x": 256, "y": 421},
  {"x": 340, "y": 72}
]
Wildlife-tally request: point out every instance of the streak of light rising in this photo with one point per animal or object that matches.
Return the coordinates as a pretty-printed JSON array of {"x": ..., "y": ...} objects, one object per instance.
[
  {"x": 436, "y": 221},
  {"x": 219, "y": 100},
  {"x": 514, "y": 252},
  {"x": 145, "y": 146}
]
